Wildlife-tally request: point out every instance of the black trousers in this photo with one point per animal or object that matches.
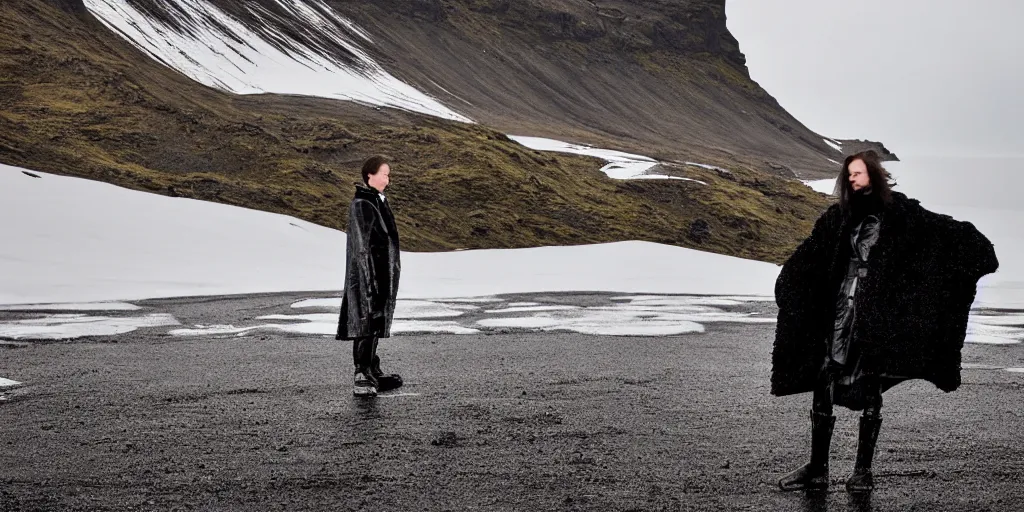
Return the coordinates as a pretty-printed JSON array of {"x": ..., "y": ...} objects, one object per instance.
[
  {"x": 823, "y": 393},
  {"x": 363, "y": 350}
]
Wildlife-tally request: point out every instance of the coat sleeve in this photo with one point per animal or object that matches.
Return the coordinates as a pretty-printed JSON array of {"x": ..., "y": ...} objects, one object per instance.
[
  {"x": 973, "y": 256},
  {"x": 805, "y": 269},
  {"x": 362, "y": 222},
  {"x": 968, "y": 256},
  {"x": 798, "y": 347}
]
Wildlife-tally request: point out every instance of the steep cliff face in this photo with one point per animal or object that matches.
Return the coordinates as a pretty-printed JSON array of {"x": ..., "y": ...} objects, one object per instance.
[
  {"x": 666, "y": 78},
  {"x": 661, "y": 77},
  {"x": 99, "y": 89}
]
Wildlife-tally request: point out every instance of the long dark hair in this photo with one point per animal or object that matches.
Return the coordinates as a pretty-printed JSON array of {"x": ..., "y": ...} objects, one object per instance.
[
  {"x": 371, "y": 166},
  {"x": 880, "y": 179}
]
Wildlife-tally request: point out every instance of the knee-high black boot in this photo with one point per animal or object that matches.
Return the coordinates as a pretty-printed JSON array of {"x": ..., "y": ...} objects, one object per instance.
[
  {"x": 385, "y": 381},
  {"x": 862, "y": 480},
  {"x": 362, "y": 356},
  {"x": 813, "y": 475}
]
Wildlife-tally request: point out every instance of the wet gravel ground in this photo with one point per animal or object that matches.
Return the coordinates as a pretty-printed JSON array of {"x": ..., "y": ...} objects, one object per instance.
[{"x": 495, "y": 421}]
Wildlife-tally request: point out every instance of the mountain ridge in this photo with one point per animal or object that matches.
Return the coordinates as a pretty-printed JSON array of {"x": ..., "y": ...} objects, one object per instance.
[{"x": 80, "y": 100}]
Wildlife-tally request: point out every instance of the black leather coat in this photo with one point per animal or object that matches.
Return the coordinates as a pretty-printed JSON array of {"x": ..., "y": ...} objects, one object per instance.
[
  {"x": 911, "y": 307},
  {"x": 372, "y": 268},
  {"x": 863, "y": 237}
]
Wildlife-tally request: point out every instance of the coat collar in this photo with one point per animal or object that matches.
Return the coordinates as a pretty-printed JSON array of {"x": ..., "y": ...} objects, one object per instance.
[
  {"x": 364, "y": 192},
  {"x": 903, "y": 204},
  {"x": 899, "y": 207}
]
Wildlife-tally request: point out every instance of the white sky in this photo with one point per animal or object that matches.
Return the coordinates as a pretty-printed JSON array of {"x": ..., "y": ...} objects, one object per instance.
[{"x": 929, "y": 77}]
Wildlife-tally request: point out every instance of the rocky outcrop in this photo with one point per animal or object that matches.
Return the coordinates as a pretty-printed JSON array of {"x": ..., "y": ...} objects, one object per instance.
[{"x": 661, "y": 77}]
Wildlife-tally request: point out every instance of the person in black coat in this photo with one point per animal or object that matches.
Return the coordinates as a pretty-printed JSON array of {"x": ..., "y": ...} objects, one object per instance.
[
  {"x": 372, "y": 270},
  {"x": 878, "y": 294}
]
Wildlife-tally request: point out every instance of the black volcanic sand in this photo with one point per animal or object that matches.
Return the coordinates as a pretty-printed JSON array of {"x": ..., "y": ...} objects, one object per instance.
[{"x": 516, "y": 421}]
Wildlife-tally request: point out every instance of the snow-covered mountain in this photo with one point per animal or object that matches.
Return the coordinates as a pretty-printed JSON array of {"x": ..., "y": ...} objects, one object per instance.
[
  {"x": 659, "y": 73},
  {"x": 287, "y": 47}
]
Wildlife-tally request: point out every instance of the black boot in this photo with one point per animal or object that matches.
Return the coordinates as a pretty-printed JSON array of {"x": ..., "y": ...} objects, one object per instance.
[
  {"x": 365, "y": 384},
  {"x": 813, "y": 475},
  {"x": 385, "y": 381},
  {"x": 861, "y": 480}
]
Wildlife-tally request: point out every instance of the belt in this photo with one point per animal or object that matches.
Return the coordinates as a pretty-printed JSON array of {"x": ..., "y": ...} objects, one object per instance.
[{"x": 856, "y": 270}]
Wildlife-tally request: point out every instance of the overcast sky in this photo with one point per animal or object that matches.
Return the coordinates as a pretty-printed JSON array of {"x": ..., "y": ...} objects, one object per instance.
[{"x": 939, "y": 77}]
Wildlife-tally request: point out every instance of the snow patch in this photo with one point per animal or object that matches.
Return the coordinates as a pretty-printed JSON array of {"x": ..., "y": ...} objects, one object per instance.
[
  {"x": 826, "y": 186},
  {"x": 709, "y": 167},
  {"x": 431, "y": 327},
  {"x": 403, "y": 308},
  {"x": 621, "y": 166},
  {"x": 80, "y": 240},
  {"x": 530, "y": 309},
  {"x": 644, "y": 315},
  {"x": 332, "y": 303},
  {"x": 622, "y": 267},
  {"x": 747, "y": 298},
  {"x": 650, "y": 328},
  {"x": 73, "y": 306},
  {"x": 601, "y": 324},
  {"x": 529, "y": 322},
  {"x": 8, "y": 383},
  {"x": 1015, "y": 370},
  {"x": 658, "y": 177},
  {"x": 833, "y": 144},
  {"x": 68, "y": 326},
  {"x": 991, "y": 330},
  {"x": 325, "y": 324},
  {"x": 999, "y": 320},
  {"x": 661, "y": 301},
  {"x": 210, "y": 330},
  {"x": 701, "y": 316},
  {"x": 217, "y": 50}
]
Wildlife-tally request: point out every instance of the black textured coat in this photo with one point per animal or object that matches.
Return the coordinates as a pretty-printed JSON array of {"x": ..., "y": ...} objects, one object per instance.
[
  {"x": 912, "y": 307},
  {"x": 372, "y": 268}
]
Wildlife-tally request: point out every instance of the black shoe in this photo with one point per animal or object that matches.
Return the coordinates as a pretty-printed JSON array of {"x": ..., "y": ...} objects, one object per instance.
[
  {"x": 813, "y": 475},
  {"x": 385, "y": 381},
  {"x": 862, "y": 480},
  {"x": 365, "y": 384}
]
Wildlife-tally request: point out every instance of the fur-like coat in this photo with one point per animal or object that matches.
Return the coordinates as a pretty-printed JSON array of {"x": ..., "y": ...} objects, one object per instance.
[{"x": 912, "y": 307}]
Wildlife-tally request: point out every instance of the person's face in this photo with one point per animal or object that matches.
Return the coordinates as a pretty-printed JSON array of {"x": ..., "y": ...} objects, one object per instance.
[
  {"x": 381, "y": 179},
  {"x": 859, "y": 178}
]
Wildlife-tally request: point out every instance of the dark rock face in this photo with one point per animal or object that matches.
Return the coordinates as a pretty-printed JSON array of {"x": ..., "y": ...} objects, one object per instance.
[
  {"x": 76, "y": 6},
  {"x": 663, "y": 77},
  {"x": 856, "y": 146},
  {"x": 695, "y": 26},
  {"x": 427, "y": 10},
  {"x": 700, "y": 231}
]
